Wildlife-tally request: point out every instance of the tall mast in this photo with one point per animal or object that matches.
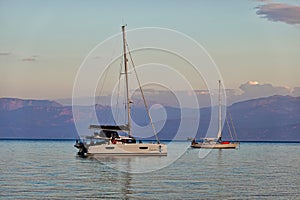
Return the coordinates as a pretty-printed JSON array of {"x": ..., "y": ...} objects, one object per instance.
[
  {"x": 220, "y": 113},
  {"x": 126, "y": 78}
]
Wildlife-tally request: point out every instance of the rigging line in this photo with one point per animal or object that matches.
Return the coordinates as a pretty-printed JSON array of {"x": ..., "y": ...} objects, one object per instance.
[
  {"x": 118, "y": 95},
  {"x": 124, "y": 103},
  {"x": 106, "y": 71},
  {"x": 143, "y": 96},
  {"x": 228, "y": 127},
  {"x": 124, "y": 90},
  {"x": 102, "y": 85},
  {"x": 101, "y": 90},
  {"x": 124, "y": 95},
  {"x": 233, "y": 127}
]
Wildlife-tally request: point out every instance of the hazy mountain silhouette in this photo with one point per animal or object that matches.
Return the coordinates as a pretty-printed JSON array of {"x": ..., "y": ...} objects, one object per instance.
[{"x": 275, "y": 118}]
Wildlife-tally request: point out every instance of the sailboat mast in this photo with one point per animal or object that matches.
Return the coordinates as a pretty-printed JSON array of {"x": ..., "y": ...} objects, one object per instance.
[
  {"x": 220, "y": 113},
  {"x": 126, "y": 79}
]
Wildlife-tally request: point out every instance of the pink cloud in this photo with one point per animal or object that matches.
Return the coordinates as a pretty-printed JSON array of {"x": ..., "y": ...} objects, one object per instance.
[
  {"x": 30, "y": 59},
  {"x": 5, "y": 53},
  {"x": 263, "y": 0},
  {"x": 255, "y": 89},
  {"x": 275, "y": 12}
]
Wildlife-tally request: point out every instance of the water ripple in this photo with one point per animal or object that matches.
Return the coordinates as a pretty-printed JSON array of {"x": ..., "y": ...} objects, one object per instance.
[{"x": 50, "y": 170}]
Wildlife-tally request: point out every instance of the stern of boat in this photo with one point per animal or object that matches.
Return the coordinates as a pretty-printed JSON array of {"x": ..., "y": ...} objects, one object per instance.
[{"x": 82, "y": 149}]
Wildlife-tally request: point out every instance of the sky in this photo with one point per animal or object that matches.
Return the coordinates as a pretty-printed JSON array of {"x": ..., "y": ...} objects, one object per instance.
[{"x": 255, "y": 44}]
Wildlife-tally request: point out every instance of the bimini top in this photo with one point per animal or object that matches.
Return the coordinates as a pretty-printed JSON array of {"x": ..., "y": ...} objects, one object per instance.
[{"x": 110, "y": 127}]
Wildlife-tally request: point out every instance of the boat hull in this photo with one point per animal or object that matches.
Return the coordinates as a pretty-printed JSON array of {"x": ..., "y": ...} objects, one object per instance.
[
  {"x": 127, "y": 150},
  {"x": 215, "y": 145}
]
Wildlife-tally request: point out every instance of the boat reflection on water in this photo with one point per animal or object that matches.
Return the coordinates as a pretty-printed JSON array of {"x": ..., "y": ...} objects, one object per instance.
[{"x": 141, "y": 164}]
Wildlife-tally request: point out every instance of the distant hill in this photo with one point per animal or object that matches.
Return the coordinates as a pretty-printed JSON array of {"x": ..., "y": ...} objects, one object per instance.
[
  {"x": 275, "y": 118},
  {"x": 7, "y": 104},
  {"x": 271, "y": 118},
  {"x": 39, "y": 119}
]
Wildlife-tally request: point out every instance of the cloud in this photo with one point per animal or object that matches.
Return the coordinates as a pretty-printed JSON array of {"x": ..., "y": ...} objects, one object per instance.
[
  {"x": 296, "y": 92},
  {"x": 263, "y": 0},
  {"x": 252, "y": 83},
  {"x": 5, "y": 53},
  {"x": 254, "y": 89},
  {"x": 275, "y": 12},
  {"x": 97, "y": 57},
  {"x": 30, "y": 59}
]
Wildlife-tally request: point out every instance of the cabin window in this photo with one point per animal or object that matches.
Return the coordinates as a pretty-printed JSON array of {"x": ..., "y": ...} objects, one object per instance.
[
  {"x": 129, "y": 141},
  {"x": 143, "y": 147},
  {"x": 109, "y": 147}
]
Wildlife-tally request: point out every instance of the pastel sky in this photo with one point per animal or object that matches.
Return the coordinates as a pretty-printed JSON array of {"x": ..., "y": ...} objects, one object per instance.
[{"x": 43, "y": 42}]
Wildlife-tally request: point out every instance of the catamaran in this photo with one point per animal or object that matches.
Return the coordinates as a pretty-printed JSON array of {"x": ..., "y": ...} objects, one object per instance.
[
  {"x": 107, "y": 141},
  {"x": 217, "y": 143}
]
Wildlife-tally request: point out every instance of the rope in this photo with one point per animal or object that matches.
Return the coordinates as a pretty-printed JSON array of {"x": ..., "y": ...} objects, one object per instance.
[
  {"x": 106, "y": 72},
  {"x": 104, "y": 80},
  {"x": 102, "y": 85},
  {"x": 143, "y": 96},
  {"x": 118, "y": 92},
  {"x": 101, "y": 90},
  {"x": 229, "y": 129},
  {"x": 233, "y": 127}
]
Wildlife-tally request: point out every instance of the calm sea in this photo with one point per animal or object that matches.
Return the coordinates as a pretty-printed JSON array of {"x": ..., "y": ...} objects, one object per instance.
[{"x": 50, "y": 170}]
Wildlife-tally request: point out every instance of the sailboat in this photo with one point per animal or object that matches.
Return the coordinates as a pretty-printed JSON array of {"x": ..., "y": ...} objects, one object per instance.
[
  {"x": 107, "y": 141},
  {"x": 216, "y": 143}
]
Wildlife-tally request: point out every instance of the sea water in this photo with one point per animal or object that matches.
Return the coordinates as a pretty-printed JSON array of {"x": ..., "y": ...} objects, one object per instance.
[{"x": 51, "y": 170}]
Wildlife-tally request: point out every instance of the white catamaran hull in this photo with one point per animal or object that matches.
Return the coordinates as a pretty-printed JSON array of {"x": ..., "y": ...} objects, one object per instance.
[
  {"x": 128, "y": 150},
  {"x": 215, "y": 145}
]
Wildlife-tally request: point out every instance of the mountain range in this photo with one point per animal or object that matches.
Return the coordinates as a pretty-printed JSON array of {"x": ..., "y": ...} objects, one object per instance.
[{"x": 274, "y": 118}]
